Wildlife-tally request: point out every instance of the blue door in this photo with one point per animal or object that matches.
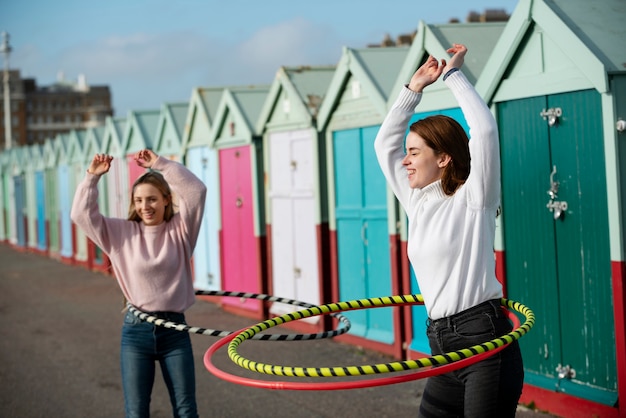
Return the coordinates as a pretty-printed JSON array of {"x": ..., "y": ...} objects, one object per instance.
[
  {"x": 40, "y": 190},
  {"x": 65, "y": 204},
  {"x": 202, "y": 161},
  {"x": 363, "y": 246},
  {"x": 20, "y": 208}
]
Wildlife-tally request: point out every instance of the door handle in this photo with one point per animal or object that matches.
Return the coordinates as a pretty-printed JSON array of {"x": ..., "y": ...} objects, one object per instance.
[{"x": 558, "y": 208}]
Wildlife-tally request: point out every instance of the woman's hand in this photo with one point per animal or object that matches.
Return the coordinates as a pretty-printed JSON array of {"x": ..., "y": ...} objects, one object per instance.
[
  {"x": 458, "y": 52},
  {"x": 427, "y": 74},
  {"x": 100, "y": 164},
  {"x": 145, "y": 158}
]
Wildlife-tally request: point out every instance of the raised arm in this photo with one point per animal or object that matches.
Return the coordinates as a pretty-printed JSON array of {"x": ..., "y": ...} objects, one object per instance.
[
  {"x": 189, "y": 189},
  {"x": 483, "y": 182}
]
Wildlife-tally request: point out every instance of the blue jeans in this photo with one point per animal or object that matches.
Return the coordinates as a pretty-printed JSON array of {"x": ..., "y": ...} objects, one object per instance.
[
  {"x": 142, "y": 345},
  {"x": 490, "y": 388}
]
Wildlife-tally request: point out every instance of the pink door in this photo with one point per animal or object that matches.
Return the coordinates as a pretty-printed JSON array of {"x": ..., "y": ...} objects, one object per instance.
[
  {"x": 240, "y": 250},
  {"x": 134, "y": 171}
]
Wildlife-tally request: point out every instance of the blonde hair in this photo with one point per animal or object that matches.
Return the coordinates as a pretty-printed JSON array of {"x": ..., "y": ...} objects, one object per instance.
[{"x": 157, "y": 180}]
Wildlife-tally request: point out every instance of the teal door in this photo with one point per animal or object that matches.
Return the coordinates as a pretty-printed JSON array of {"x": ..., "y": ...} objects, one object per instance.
[
  {"x": 555, "y": 224},
  {"x": 362, "y": 231}
]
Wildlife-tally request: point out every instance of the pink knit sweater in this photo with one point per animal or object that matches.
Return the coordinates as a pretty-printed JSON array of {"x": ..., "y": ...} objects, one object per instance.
[{"x": 151, "y": 263}]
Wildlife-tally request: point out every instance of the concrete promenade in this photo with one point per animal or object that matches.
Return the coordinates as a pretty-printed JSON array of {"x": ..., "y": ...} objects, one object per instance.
[{"x": 59, "y": 350}]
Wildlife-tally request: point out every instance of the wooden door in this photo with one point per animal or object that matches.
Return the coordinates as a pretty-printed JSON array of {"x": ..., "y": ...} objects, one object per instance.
[
  {"x": 240, "y": 254},
  {"x": 40, "y": 187},
  {"x": 65, "y": 204},
  {"x": 203, "y": 163},
  {"x": 555, "y": 222},
  {"x": 295, "y": 271},
  {"x": 364, "y": 252}
]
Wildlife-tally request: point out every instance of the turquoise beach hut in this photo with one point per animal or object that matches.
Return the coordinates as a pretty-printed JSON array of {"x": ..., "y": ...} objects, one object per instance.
[
  {"x": 35, "y": 195},
  {"x": 364, "y": 262},
  {"x": 64, "y": 182}
]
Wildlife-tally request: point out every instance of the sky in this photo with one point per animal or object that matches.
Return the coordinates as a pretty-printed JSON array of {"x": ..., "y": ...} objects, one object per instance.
[{"x": 151, "y": 52}]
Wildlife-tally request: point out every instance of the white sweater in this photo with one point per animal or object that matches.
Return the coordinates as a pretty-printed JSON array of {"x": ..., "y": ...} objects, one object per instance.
[{"x": 451, "y": 238}]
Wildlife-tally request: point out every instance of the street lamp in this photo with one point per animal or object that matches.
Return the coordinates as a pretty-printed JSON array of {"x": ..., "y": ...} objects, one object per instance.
[{"x": 6, "y": 49}]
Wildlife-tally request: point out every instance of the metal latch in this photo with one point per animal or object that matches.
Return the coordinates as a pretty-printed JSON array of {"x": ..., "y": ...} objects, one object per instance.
[
  {"x": 552, "y": 115},
  {"x": 566, "y": 372},
  {"x": 558, "y": 208}
]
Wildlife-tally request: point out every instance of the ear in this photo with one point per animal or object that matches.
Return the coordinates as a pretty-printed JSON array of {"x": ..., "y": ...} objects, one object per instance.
[{"x": 443, "y": 160}]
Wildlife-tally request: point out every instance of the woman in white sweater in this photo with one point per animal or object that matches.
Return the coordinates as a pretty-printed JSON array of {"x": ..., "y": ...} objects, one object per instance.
[{"x": 451, "y": 201}]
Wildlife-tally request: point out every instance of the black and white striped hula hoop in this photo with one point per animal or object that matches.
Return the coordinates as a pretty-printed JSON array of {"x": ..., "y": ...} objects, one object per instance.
[{"x": 144, "y": 316}]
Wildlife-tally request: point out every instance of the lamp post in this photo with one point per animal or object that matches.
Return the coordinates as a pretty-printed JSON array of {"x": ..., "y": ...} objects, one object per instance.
[{"x": 6, "y": 49}]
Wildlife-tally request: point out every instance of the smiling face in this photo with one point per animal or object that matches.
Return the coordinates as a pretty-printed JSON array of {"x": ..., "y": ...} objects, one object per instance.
[
  {"x": 423, "y": 165},
  {"x": 149, "y": 204}
]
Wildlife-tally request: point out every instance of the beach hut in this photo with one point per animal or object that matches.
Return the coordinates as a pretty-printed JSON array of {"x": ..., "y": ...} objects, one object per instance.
[
  {"x": 170, "y": 127},
  {"x": 96, "y": 259},
  {"x": 295, "y": 177},
  {"x": 54, "y": 151},
  {"x": 41, "y": 235},
  {"x": 557, "y": 82},
  {"x": 202, "y": 161},
  {"x": 140, "y": 133},
  {"x": 116, "y": 202},
  {"x": 76, "y": 161},
  {"x": 240, "y": 161},
  {"x": 64, "y": 182},
  {"x": 8, "y": 201},
  {"x": 3, "y": 214},
  {"x": 480, "y": 38},
  {"x": 35, "y": 195},
  {"x": 17, "y": 196},
  {"x": 364, "y": 261}
]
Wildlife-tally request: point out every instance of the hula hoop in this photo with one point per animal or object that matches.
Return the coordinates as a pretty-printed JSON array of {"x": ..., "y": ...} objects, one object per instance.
[
  {"x": 397, "y": 366},
  {"x": 144, "y": 316},
  {"x": 488, "y": 349}
]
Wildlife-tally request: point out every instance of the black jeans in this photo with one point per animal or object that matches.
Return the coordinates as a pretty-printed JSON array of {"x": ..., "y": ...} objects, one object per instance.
[{"x": 489, "y": 388}]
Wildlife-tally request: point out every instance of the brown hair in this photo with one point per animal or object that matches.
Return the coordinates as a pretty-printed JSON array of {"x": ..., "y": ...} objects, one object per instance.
[
  {"x": 445, "y": 135},
  {"x": 157, "y": 180}
]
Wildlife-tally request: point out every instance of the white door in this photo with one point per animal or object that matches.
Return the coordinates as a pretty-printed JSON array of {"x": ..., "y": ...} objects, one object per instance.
[{"x": 295, "y": 271}]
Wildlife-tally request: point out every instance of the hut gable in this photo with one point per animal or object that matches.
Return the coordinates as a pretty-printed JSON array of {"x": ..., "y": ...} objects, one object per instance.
[
  {"x": 112, "y": 136},
  {"x": 363, "y": 78},
  {"x": 236, "y": 117},
  {"x": 480, "y": 39},
  {"x": 140, "y": 130},
  {"x": 550, "y": 46},
  {"x": 295, "y": 97},
  {"x": 200, "y": 116},
  {"x": 170, "y": 126}
]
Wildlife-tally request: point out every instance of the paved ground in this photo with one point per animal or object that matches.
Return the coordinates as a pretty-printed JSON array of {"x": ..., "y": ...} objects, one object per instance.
[{"x": 59, "y": 352}]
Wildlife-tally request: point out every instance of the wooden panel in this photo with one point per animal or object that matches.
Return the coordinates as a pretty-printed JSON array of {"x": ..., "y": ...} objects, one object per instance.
[{"x": 240, "y": 256}]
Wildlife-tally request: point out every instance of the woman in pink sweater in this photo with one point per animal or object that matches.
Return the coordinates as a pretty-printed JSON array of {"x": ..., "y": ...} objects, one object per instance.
[{"x": 150, "y": 254}]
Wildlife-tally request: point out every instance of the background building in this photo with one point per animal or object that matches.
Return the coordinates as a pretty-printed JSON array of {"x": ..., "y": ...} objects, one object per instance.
[{"x": 38, "y": 113}]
